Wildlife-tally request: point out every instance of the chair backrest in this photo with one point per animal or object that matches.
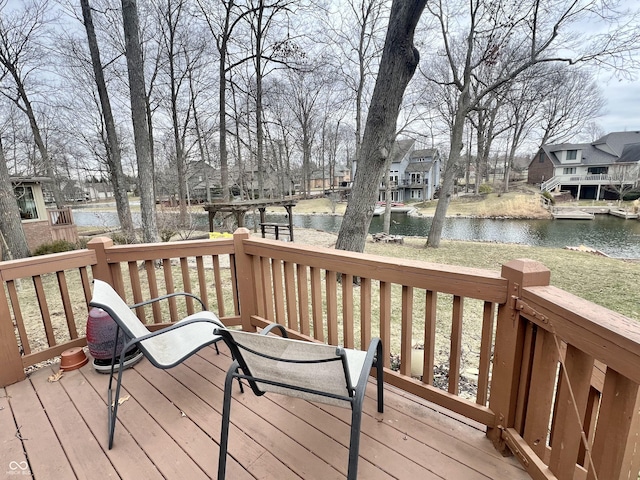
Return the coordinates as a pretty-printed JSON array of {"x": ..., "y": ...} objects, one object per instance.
[
  {"x": 312, "y": 371},
  {"x": 106, "y": 298}
]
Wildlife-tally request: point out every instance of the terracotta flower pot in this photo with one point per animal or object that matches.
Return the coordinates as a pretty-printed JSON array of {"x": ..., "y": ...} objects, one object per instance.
[{"x": 72, "y": 359}]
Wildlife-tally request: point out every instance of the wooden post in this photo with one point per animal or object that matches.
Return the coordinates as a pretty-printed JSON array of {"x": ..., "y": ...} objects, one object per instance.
[
  {"x": 11, "y": 367},
  {"x": 101, "y": 269},
  {"x": 244, "y": 279},
  {"x": 509, "y": 346}
]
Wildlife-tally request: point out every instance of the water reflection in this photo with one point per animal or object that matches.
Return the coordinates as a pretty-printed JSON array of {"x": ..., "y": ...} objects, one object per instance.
[{"x": 614, "y": 236}]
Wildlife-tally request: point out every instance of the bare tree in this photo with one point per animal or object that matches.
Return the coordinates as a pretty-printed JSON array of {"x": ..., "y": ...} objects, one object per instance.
[
  {"x": 499, "y": 41},
  {"x": 135, "y": 70},
  {"x": 19, "y": 56},
  {"x": 114, "y": 159},
  {"x": 571, "y": 99},
  {"x": 10, "y": 223},
  {"x": 359, "y": 39},
  {"x": 179, "y": 63},
  {"x": 397, "y": 66}
]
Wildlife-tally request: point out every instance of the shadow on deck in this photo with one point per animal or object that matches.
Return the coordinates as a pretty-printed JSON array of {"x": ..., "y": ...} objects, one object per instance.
[{"x": 169, "y": 427}]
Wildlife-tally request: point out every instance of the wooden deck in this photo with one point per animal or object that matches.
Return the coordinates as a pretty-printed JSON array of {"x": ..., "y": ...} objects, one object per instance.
[{"x": 170, "y": 425}]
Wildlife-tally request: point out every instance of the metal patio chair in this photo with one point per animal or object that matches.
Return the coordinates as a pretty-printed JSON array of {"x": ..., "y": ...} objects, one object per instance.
[
  {"x": 307, "y": 370},
  {"x": 164, "y": 348}
]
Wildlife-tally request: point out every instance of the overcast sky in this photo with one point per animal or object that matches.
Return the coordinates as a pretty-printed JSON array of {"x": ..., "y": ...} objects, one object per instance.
[{"x": 622, "y": 112}]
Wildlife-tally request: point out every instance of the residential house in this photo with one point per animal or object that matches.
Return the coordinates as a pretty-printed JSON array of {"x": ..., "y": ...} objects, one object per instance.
[
  {"x": 41, "y": 225},
  {"x": 597, "y": 170},
  {"x": 324, "y": 181},
  {"x": 200, "y": 177},
  {"x": 414, "y": 173}
]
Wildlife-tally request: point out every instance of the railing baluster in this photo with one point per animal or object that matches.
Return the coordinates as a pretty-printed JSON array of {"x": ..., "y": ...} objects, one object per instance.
[
  {"x": 44, "y": 310},
  {"x": 316, "y": 304},
  {"x": 66, "y": 304},
  {"x": 134, "y": 279},
  {"x": 17, "y": 313},
  {"x": 347, "y": 310},
  {"x": 332, "y": 306},
  {"x": 385, "y": 322},
  {"x": 152, "y": 281},
  {"x": 202, "y": 281},
  {"x": 406, "y": 330},
  {"x": 278, "y": 291},
  {"x": 365, "y": 312},
  {"x": 455, "y": 354},
  {"x": 543, "y": 382},
  {"x": 615, "y": 444},
  {"x": 303, "y": 298},
  {"x": 290, "y": 295},
  {"x": 486, "y": 345},
  {"x": 217, "y": 279},
  {"x": 186, "y": 284},
  {"x": 525, "y": 376},
  {"x": 430, "y": 315},
  {"x": 169, "y": 285},
  {"x": 267, "y": 288},
  {"x": 567, "y": 437}
]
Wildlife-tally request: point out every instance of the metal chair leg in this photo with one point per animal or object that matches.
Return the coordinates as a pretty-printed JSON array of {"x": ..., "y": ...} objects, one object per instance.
[{"x": 226, "y": 410}]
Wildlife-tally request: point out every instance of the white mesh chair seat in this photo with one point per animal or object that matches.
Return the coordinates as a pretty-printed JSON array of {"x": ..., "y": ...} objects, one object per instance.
[
  {"x": 311, "y": 371},
  {"x": 164, "y": 348}
]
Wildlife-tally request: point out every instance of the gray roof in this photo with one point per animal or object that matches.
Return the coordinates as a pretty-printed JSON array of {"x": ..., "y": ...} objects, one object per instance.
[
  {"x": 615, "y": 147},
  {"x": 419, "y": 166},
  {"x": 424, "y": 153},
  {"x": 630, "y": 153},
  {"x": 400, "y": 149}
]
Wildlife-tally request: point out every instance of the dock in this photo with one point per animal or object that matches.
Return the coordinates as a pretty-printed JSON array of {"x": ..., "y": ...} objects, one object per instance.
[
  {"x": 572, "y": 215},
  {"x": 619, "y": 212}
]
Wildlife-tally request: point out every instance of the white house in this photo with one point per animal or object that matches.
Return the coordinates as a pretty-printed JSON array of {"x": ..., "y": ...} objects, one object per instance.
[
  {"x": 594, "y": 170},
  {"x": 414, "y": 174}
]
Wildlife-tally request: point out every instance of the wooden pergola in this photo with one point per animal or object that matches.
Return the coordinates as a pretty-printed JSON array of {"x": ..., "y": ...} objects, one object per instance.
[{"x": 240, "y": 209}]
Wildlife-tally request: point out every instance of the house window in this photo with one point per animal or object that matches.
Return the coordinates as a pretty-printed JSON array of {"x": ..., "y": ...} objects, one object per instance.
[
  {"x": 572, "y": 154},
  {"x": 26, "y": 202},
  {"x": 598, "y": 170},
  {"x": 541, "y": 158},
  {"x": 569, "y": 171}
]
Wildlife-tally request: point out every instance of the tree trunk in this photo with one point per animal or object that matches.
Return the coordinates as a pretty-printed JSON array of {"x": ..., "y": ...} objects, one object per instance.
[
  {"x": 397, "y": 65},
  {"x": 139, "y": 117},
  {"x": 10, "y": 223},
  {"x": 114, "y": 160},
  {"x": 449, "y": 174}
]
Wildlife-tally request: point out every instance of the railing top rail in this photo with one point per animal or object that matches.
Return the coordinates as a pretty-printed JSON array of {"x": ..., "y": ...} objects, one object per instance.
[
  {"x": 155, "y": 251},
  {"x": 606, "y": 335},
  {"x": 463, "y": 281},
  {"x": 41, "y": 265}
]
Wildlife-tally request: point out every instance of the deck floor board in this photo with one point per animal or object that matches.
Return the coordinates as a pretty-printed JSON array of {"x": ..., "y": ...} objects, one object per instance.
[{"x": 169, "y": 427}]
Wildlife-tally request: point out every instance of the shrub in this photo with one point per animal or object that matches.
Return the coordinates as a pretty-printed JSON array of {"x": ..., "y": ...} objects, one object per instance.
[
  {"x": 55, "y": 247},
  {"x": 549, "y": 197},
  {"x": 485, "y": 189},
  {"x": 121, "y": 239}
]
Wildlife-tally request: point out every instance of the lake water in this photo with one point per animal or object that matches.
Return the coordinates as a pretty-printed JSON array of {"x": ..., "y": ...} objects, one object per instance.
[{"x": 614, "y": 236}]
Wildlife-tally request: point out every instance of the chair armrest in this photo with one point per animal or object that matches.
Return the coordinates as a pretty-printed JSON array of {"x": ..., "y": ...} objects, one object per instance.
[
  {"x": 164, "y": 297},
  {"x": 374, "y": 352},
  {"x": 283, "y": 331},
  {"x": 162, "y": 331}
]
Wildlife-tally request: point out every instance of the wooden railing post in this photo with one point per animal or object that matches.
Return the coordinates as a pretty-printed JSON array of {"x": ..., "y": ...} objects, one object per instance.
[
  {"x": 11, "y": 367},
  {"x": 101, "y": 269},
  {"x": 509, "y": 343},
  {"x": 244, "y": 279}
]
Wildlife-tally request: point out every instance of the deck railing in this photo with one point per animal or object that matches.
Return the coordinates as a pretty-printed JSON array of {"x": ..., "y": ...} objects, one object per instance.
[{"x": 534, "y": 364}]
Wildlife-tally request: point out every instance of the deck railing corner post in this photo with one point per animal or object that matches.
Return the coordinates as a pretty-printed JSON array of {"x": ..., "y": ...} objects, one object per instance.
[
  {"x": 12, "y": 370},
  {"x": 509, "y": 345},
  {"x": 101, "y": 269},
  {"x": 244, "y": 279}
]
